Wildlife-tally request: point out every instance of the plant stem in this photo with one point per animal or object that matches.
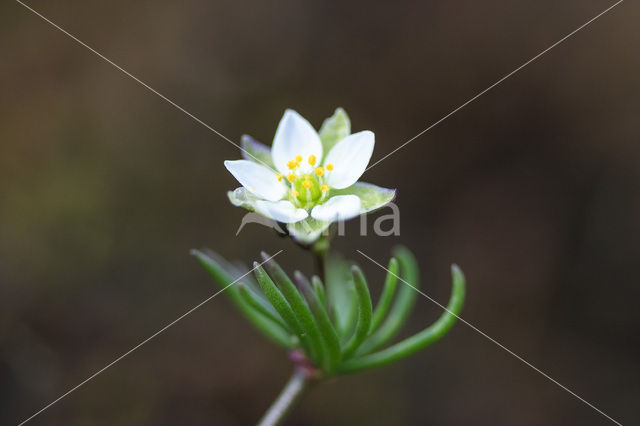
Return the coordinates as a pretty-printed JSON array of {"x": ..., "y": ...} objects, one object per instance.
[
  {"x": 319, "y": 250},
  {"x": 290, "y": 395},
  {"x": 320, "y": 265}
]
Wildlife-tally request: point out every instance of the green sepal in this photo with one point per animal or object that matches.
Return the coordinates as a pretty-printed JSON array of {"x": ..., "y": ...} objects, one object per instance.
[
  {"x": 257, "y": 152},
  {"x": 242, "y": 197},
  {"x": 334, "y": 129},
  {"x": 371, "y": 196},
  {"x": 308, "y": 230},
  {"x": 418, "y": 341}
]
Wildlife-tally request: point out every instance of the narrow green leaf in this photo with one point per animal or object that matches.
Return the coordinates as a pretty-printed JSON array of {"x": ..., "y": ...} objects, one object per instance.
[
  {"x": 319, "y": 290},
  {"x": 387, "y": 295},
  {"x": 341, "y": 296},
  {"x": 364, "y": 314},
  {"x": 420, "y": 340},
  {"x": 250, "y": 298},
  {"x": 281, "y": 305},
  {"x": 351, "y": 316},
  {"x": 334, "y": 129},
  {"x": 405, "y": 299},
  {"x": 271, "y": 329},
  {"x": 299, "y": 306},
  {"x": 331, "y": 342}
]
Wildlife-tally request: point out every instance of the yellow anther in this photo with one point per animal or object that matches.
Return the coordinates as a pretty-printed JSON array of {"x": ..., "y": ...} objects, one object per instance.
[
  {"x": 307, "y": 184},
  {"x": 329, "y": 166},
  {"x": 312, "y": 159},
  {"x": 292, "y": 165},
  {"x": 291, "y": 177},
  {"x": 298, "y": 158},
  {"x": 294, "y": 193},
  {"x": 279, "y": 176},
  {"x": 319, "y": 171},
  {"x": 324, "y": 188}
]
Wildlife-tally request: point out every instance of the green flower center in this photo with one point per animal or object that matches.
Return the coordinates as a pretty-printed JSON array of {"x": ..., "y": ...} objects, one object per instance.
[{"x": 307, "y": 189}]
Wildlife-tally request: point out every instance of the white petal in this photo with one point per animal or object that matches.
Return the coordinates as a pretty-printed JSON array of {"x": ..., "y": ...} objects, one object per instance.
[
  {"x": 340, "y": 207},
  {"x": 349, "y": 158},
  {"x": 295, "y": 136},
  {"x": 281, "y": 211},
  {"x": 258, "y": 179}
]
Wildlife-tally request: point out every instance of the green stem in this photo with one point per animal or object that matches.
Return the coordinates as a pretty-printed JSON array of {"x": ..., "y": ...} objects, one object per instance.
[
  {"x": 320, "y": 265},
  {"x": 290, "y": 395},
  {"x": 320, "y": 250}
]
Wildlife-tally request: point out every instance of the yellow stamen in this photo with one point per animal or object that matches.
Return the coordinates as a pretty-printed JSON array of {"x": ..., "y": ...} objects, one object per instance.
[
  {"x": 324, "y": 188},
  {"x": 291, "y": 177},
  {"x": 307, "y": 184},
  {"x": 329, "y": 166},
  {"x": 279, "y": 176},
  {"x": 298, "y": 158},
  {"x": 312, "y": 159},
  {"x": 294, "y": 193},
  {"x": 292, "y": 165},
  {"x": 319, "y": 171}
]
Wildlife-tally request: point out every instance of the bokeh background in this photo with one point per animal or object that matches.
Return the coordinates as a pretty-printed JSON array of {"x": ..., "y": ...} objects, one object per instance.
[{"x": 534, "y": 189}]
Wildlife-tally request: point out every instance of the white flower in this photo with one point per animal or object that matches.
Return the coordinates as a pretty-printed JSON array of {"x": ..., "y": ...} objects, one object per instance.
[{"x": 296, "y": 184}]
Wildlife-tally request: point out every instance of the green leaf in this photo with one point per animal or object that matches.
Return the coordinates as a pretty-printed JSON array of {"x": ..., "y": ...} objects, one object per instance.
[
  {"x": 364, "y": 313},
  {"x": 371, "y": 196},
  {"x": 281, "y": 305},
  {"x": 319, "y": 290},
  {"x": 268, "y": 327},
  {"x": 387, "y": 295},
  {"x": 403, "y": 304},
  {"x": 334, "y": 129},
  {"x": 352, "y": 315},
  {"x": 330, "y": 340},
  {"x": 340, "y": 294},
  {"x": 267, "y": 310},
  {"x": 307, "y": 231},
  {"x": 271, "y": 329},
  {"x": 299, "y": 306},
  {"x": 255, "y": 151},
  {"x": 420, "y": 340}
]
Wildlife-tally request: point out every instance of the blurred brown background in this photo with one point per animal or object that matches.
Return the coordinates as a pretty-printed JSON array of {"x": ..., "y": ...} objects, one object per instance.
[{"x": 533, "y": 189}]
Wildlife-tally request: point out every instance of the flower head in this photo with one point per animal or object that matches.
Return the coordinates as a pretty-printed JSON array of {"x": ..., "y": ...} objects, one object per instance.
[{"x": 308, "y": 179}]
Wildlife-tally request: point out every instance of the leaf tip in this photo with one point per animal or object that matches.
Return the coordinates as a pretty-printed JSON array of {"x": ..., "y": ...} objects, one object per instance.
[{"x": 456, "y": 271}]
